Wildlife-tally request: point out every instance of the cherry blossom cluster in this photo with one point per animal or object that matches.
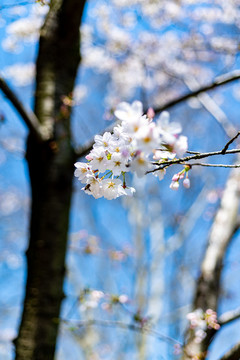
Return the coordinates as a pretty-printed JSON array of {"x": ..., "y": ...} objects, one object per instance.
[
  {"x": 138, "y": 145},
  {"x": 91, "y": 299},
  {"x": 200, "y": 321}
]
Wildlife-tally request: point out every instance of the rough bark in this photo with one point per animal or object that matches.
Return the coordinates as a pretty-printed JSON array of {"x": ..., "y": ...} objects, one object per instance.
[
  {"x": 208, "y": 285},
  {"x": 50, "y": 168}
]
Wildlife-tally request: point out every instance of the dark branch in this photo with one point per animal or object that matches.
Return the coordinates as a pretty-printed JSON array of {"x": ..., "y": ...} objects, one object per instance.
[
  {"x": 193, "y": 157},
  {"x": 28, "y": 116},
  {"x": 219, "y": 81},
  {"x": 232, "y": 354},
  {"x": 230, "y": 142}
]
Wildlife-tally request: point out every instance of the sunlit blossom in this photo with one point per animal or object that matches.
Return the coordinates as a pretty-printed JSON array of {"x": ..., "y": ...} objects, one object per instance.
[{"x": 132, "y": 147}]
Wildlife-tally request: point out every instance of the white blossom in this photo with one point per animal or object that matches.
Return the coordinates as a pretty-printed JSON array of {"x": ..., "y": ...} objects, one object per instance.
[
  {"x": 147, "y": 137},
  {"x": 105, "y": 141},
  {"x": 127, "y": 112},
  {"x": 117, "y": 164},
  {"x": 112, "y": 188},
  {"x": 160, "y": 173},
  {"x": 99, "y": 159},
  {"x": 174, "y": 185},
  {"x": 180, "y": 146},
  {"x": 140, "y": 165},
  {"x": 93, "y": 187},
  {"x": 82, "y": 171}
]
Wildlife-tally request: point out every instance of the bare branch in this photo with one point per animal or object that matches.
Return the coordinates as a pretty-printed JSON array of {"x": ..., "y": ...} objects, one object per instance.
[
  {"x": 122, "y": 325},
  {"x": 229, "y": 316},
  {"x": 29, "y": 117},
  {"x": 232, "y": 354},
  {"x": 215, "y": 165},
  {"x": 211, "y": 106},
  {"x": 219, "y": 81},
  {"x": 229, "y": 143},
  {"x": 193, "y": 152},
  {"x": 222, "y": 231}
]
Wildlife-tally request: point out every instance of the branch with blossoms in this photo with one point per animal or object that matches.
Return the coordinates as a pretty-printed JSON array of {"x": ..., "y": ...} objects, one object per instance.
[
  {"x": 198, "y": 155},
  {"x": 141, "y": 146},
  {"x": 184, "y": 161}
]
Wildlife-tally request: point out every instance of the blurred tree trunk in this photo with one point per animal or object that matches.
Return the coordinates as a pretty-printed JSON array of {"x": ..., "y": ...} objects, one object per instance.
[
  {"x": 50, "y": 168},
  {"x": 208, "y": 287}
]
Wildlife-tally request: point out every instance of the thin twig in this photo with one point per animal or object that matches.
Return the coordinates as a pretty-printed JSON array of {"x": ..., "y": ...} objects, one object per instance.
[
  {"x": 214, "y": 165},
  {"x": 192, "y": 152},
  {"x": 229, "y": 143},
  {"x": 188, "y": 158}
]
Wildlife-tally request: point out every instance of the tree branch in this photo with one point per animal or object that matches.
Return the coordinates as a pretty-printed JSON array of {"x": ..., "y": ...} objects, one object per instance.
[
  {"x": 214, "y": 165},
  {"x": 198, "y": 156},
  {"x": 29, "y": 117},
  {"x": 122, "y": 325},
  {"x": 211, "y": 106},
  {"x": 233, "y": 353},
  {"x": 219, "y": 81},
  {"x": 50, "y": 171},
  {"x": 229, "y": 316},
  {"x": 229, "y": 143},
  {"x": 208, "y": 285}
]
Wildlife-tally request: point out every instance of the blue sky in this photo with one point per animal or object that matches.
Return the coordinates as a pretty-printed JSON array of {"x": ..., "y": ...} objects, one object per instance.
[{"x": 125, "y": 226}]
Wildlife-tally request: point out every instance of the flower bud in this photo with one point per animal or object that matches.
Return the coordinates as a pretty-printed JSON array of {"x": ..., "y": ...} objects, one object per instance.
[{"x": 186, "y": 183}]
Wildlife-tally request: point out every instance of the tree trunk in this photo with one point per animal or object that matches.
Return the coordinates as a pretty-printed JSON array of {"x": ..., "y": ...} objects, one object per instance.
[{"x": 50, "y": 168}]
